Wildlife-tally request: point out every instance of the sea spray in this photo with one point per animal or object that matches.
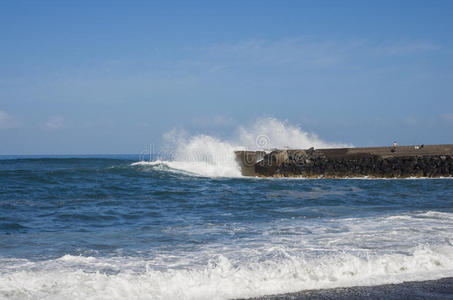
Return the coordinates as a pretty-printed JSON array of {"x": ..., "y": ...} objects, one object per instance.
[
  {"x": 200, "y": 155},
  {"x": 269, "y": 133},
  {"x": 212, "y": 157}
]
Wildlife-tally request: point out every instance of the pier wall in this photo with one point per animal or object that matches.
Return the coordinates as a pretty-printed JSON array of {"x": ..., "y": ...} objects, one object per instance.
[{"x": 376, "y": 162}]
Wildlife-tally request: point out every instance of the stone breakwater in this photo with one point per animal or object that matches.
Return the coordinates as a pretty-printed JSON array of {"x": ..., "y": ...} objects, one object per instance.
[{"x": 376, "y": 162}]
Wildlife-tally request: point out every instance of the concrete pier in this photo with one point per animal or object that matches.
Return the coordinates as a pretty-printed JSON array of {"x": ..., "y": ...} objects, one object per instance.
[{"x": 374, "y": 162}]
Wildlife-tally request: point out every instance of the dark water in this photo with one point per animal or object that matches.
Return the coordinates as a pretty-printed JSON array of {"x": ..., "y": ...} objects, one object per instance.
[{"x": 100, "y": 227}]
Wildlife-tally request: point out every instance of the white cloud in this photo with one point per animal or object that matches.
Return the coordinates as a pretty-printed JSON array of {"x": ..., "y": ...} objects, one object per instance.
[
  {"x": 7, "y": 121},
  {"x": 54, "y": 123}
]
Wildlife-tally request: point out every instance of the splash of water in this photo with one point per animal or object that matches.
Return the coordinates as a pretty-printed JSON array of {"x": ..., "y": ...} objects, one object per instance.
[
  {"x": 269, "y": 133},
  {"x": 206, "y": 156},
  {"x": 209, "y": 156}
]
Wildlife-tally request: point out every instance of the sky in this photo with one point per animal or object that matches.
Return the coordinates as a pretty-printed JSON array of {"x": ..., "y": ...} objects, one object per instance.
[{"x": 100, "y": 77}]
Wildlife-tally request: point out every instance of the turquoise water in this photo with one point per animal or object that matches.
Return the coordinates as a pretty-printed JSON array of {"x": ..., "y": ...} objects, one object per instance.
[{"x": 103, "y": 227}]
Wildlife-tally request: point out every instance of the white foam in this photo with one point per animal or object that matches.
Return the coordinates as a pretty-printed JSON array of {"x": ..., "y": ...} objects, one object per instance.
[
  {"x": 222, "y": 278},
  {"x": 284, "y": 256}
]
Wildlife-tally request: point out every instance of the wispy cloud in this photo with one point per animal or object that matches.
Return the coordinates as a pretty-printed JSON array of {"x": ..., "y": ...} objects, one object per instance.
[
  {"x": 7, "y": 121},
  {"x": 295, "y": 51},
  {"x": 409, "y": 121},
  {"x": 407, "y": 48},
  {"x": 241, "y": 66},
  {"x": 447, "y": 117},
  {"x": 213, "y": 121},
  {"x": 54, "y": 123},
  {"x": 299, "y": 54}
]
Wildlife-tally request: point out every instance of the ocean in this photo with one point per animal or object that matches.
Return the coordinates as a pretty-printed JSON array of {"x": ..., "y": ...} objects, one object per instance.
[{"x": 111, "y": 227}]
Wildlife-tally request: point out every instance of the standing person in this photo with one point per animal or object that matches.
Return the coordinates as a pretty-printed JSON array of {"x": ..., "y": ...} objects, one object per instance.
[{"x": 394, "y": 146}]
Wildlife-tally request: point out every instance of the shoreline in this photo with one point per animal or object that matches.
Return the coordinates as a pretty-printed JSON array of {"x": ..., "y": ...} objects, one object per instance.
[{"x": 429, "y": 289}]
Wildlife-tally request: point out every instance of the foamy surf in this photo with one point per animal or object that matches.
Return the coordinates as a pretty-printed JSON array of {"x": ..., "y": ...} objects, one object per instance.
[
  {"x": 194, "y": 168},
  {"x": 318, "y": 254},
  {"x": 74, "y": 277}
]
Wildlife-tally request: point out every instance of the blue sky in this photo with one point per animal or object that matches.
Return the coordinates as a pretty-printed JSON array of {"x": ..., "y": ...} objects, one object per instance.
[{"x": 84, "y": 77}]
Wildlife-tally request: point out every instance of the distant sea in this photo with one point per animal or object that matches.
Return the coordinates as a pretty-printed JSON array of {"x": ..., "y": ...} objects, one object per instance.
[{"x": 107, "y": 227}]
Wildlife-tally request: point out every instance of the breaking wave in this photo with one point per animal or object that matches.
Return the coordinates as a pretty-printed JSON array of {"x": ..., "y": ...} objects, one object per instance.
[
  {"x": 212, "y": 157},
  {"x": 77, "y": 277}
]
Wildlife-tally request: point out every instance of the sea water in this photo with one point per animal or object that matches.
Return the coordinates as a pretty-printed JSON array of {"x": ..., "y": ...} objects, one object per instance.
[
  {"x": 111, "y": 227},
  {"x": 186, "y": 225}
]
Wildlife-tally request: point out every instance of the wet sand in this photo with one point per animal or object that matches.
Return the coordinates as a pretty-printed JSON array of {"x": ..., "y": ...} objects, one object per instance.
[{"x": 432, "y": 289}]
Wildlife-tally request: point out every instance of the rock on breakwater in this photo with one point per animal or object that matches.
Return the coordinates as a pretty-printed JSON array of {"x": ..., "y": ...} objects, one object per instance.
[{"x": 374, "y": 162}]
